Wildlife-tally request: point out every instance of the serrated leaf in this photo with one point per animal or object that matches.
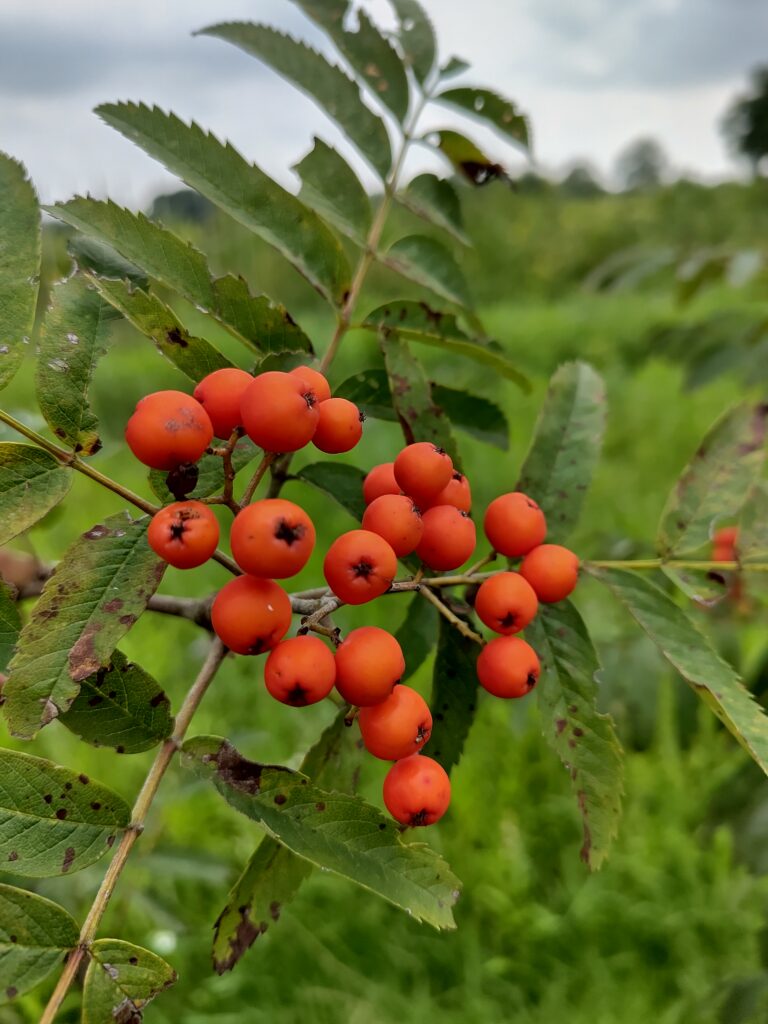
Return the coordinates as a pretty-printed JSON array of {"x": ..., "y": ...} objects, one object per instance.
[
  {"x": 73, "y": 338},
  {"x": 263, "y": 325},
  {"x": 584, "y": 740},
  {"x": 331, "y": 187},
  {"x": 243, "y": 190},
  {"x": 716, "y": 482},
  {"x": 32, "y": 482},
  {"x": 704, "y": 586},
  {"x": 52, "y": 820},
  {"x": 341, "y": 482},
  {"x": 120, "y": 706},
  {"x": 98, "y": 257},
  {"x": 210, "y": 472},
  {"x": 429, "y": 263},
  {"x": 35, "y": 935},
  {"x": 417, "y": 37},
  {"x": 437, "y": 201},
  {"x": 195, "y": 357},
  {"x": 19, "y": 264},
  {"x": 494, "y": 110},
  {"x": 336, "y": 94},
  {"x": 752, "y": 543},
  {"x": 454, "y": 695},
  {"x": 467, "y": 158},
  {"x": 99, "y": 589},
  {"x": 417, "y": 635},
  {"x": 331, "y": 830},
  {"x": 121, "y": 979},
  {"x": 691, "y": 654},
  {"x": 10, "y": 625},
  {"x": 566, "y": 445}
]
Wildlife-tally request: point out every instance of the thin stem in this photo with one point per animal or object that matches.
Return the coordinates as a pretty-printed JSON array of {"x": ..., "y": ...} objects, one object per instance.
[
  {"x": 261, "y": 469},
  {"x": 451, "y": 617},
  {"x": 641, "y": 564}
]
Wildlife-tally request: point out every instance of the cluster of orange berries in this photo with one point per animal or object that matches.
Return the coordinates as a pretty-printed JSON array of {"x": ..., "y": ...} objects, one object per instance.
[{"x": 417, "y": 505}]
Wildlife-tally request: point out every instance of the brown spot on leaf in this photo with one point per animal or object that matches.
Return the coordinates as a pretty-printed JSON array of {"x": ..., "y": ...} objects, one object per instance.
[
  {"x": 69, "y": 856},
  {"x": 240, "y": 941},
  {"x": 61, "y": 813},
  {"x": 11, "y": 992},
  {"x": 159, "y": 698},
  {"x": 13, "y": 855},
  {"x": 84, "y": 779},
  {"x": 175, "y": 337},
  {"x": 114, "y": 605}
]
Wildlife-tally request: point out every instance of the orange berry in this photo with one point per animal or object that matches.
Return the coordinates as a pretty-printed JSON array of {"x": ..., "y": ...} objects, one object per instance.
[
  {"x": 506, "y": 603},
  {"x": 220, "y": 394},
  {"x": 279, "y": 411},
  {"x": 359, "y": 566},
  {"x": 514, "y": 524},
  {"x": 422, "y": 470},
  {"x": 168, "y": 429},
  {"x": 417, "y": 791},
  {"x": 395, "y": 518},
  {"x": 456, "y": 492},
  {"x": 727, "y": 536},
  {"x": 272, "y": 538},
  {"x": 398, "y": 726},
  {"x": 449, "y": 537},
  {"x": 369, "y": 663},
  {"x": 552, "y": 571},
  {"x": 339, "y": 426},
  {"x": 508, "y": 667},
  {"x": 380, "y": 480},
  {"x": 184, "y": 534},
  {"x": 251, "y": 615},
  {"x": 315, "y": 380},
  {"x": 300, "y": 671}
]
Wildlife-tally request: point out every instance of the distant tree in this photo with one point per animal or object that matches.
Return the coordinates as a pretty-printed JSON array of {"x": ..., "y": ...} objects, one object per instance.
[
  {"x": 182, "y": 205},
  {"x": 531, "y": 182},
  {"x": 642, "y": 165},
  {"x": 581, "y": 182},
  {"x": 745, "y": 124}
]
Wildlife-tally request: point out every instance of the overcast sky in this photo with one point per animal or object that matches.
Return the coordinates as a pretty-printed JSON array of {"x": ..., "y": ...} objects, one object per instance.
[{"x": 592, "y": 74}]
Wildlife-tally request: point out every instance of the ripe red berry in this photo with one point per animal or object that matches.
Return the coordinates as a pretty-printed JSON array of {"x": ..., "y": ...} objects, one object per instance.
[
  {"x": 506, "y": 603},
  {"x": 380, "y": 480},
  {"x": 251, "y": 615},
  {"x": 300, "y": 671},
  {"x": 456, "y": 492},
  {"x": 359, "y": 566},
  {"x": 220, "y": 394},
  {"x": 552, "y": 571},
  {"x": 314, "y": 380},
  {"x": 339, "y": 426},
  {"x": 395, "y": 518},
  {"x": 272, "y": 538},
  {"x": 724, "y": 544},
  {"x": 514, "y": 524},
  {"x": 449, "y": 538},
  {"x": 369, "y": 662},
  {"x": 168, "y": 429},
  {"x": 422, "y": 470},
  {"x": 184, "y": 534},
  {"x": 279, "y": 411},
  {"x": 417, "y": 791},
  {"x": 508, "y": 667},
  {"x": 397, "y": 727}
]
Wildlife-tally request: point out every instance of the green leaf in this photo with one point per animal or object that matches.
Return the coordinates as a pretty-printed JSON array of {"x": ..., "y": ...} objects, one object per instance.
[
  {"x": 261, "y": 324},
  {"x": 336, "y": 94},
  {"x": 704, "y": 586},
  {"x": 437, "y": 201},
  {"x": 489, "y": 107},
  {"x": 584, "y": 740},
  {"x": 121, "y": 979},
  {"x": 99, "y": 589},
  {"x": 453, "y": 66},
  {"x": 10, "y": 626},
  {"x": 35, "y": 935},
  {"x": 32, "y": 482},
  {"x": 210, "y": 468},
  {"x": 689, "y": 651},
  {"x": 417, "y": 37},
  {"x": 195, "y": 357},
  {"x": 52, "y": 820},
  {"x": 566, "y": 445},
  {"x": 73, "y": 337},
  {"x": 331, "y": 830},
  {"x": 120, "y": 706},
  {"x": 467, "y": 158},
  {"x": 19, "y": 264},
  {"x": 454, "y": 694},
  {"x": 331, "y": 187},
  {"x": 243, "y": 190},
  {"x": 98, "y": 257},
  {"x": 417, "y": 635},
  {"x": 716, "y": 482},
  {"x": 341, "y": 482},
  {"x": 752, "y": 544},
  {"x": 427, "y": 262},
  {"x": 417, "y": 321}
]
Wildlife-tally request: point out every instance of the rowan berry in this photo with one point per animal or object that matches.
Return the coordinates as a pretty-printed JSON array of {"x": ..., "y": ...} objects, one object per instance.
[
  {"x": 279, "y": 411},
  {"x": 395, "y": 518},
  {"x": 552, "y": 571},
  {"x": 339, "y": 426},
  {"x": 168, "y": 429},
  {"x": 251, "y": 615},
  {"x": 417, "y": 790},
  {"x": 398, "y": 726},
  {"x": 506, "y": 603},
  {"x": 508, "y": 667},
  {"x": 369, "y": 663},
  {"x": 456, "y": 492},
  {"x": 272, "y": 538},
  {"x": 300, "y": 671},
  {"x": 317, "y": 381},
  {"x": 514, "y": 524},
  {"x": 359, "y": 566},
  {"x": 422, "y": 470},
  {"x": 184, "y": 534},
  {"x": 380, "y": 480},
  {"x": 220, "y": 394},
  {"x": 449, "y": 537},
  {"x": 724, "y": 544}
]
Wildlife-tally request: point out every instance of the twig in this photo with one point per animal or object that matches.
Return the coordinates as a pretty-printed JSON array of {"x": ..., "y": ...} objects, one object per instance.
[
  {"x": 261, "y": 469},
  {"x": 451, "y": 617}
]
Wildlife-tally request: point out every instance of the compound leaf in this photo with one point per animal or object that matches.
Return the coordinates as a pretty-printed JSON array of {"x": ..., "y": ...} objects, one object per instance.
[
  {"x": 19, "y": 264},
  {"x": 331, "y": 187},
  {"x": 429, "y": 263}
]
